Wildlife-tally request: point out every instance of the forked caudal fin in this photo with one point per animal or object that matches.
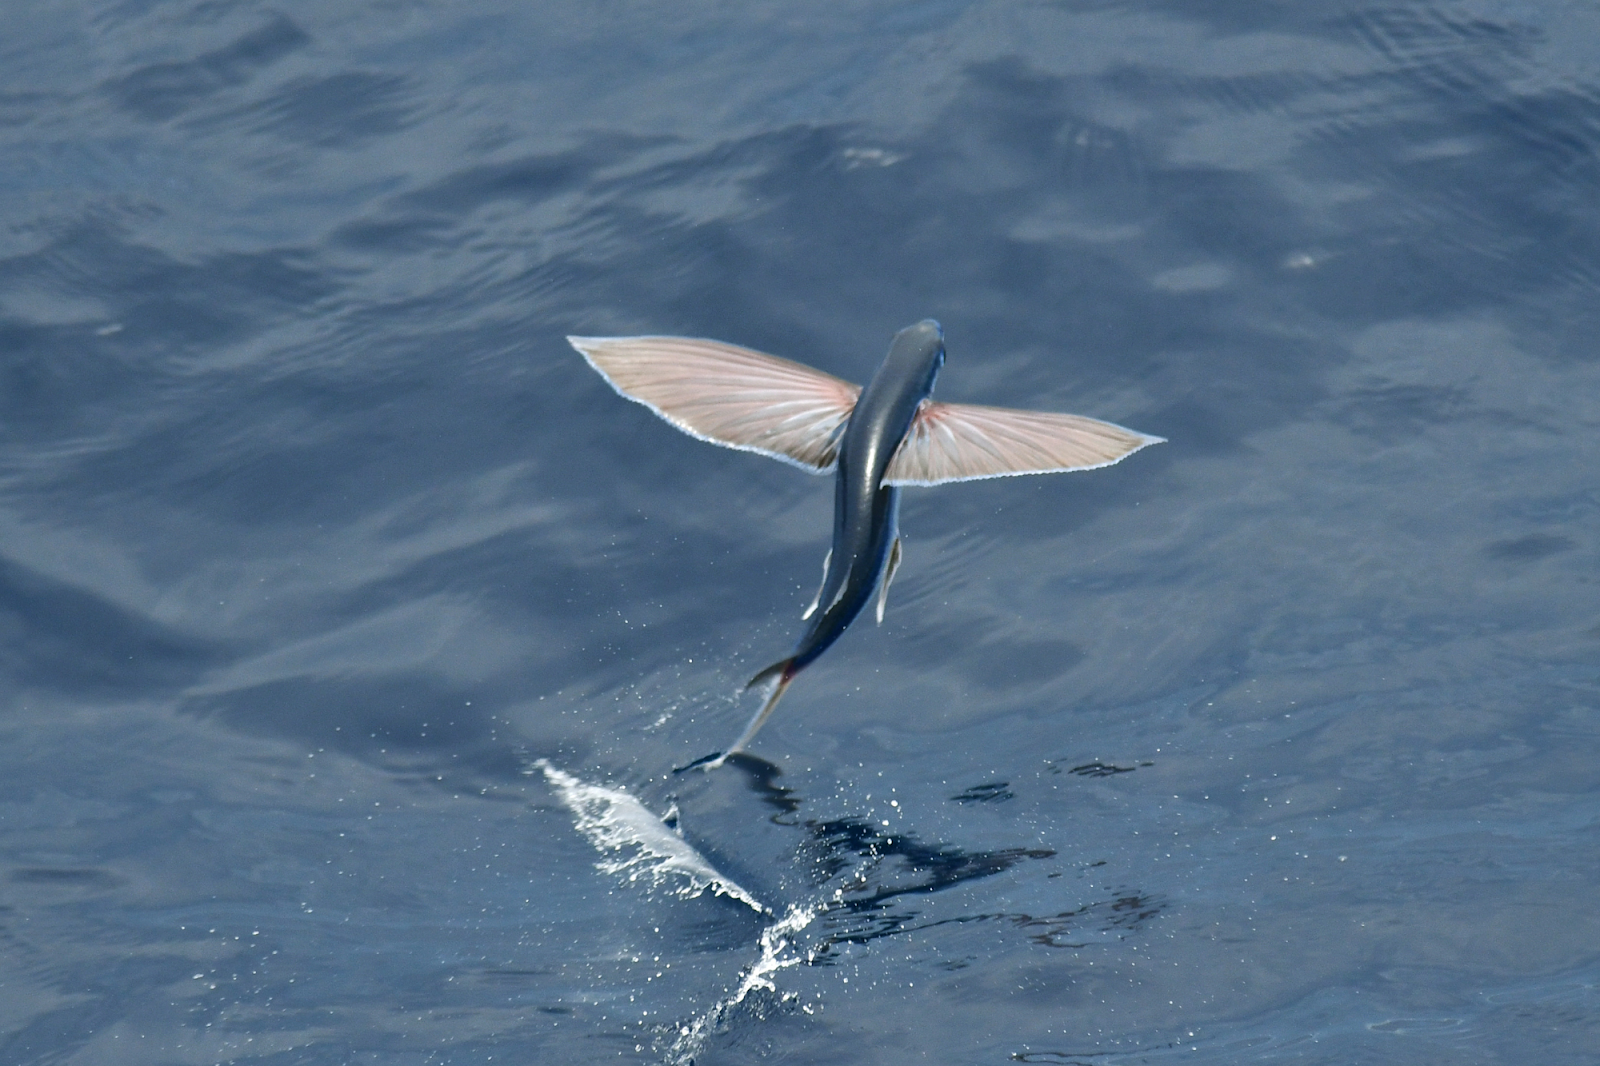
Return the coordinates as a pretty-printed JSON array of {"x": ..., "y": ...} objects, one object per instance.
[{"x": 782, "y": 672}]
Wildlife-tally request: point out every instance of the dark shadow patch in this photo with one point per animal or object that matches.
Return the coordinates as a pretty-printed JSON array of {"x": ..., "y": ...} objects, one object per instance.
[
  {"x": 164, "y": 90},
  {"x": 1530, "y": 548},
  {"x": 75, "y": 879},
  {"x": 1086, "y": 926},
  {"x": 1097, "y": 769},
  {"x": 898, "y": 864},
  {"x": 761, "y": 777},
  {"x": 1078, "y": 1058},
  {"x": 991, "y": 792},
  {"x": 1116, "y": 915},
  {"x": 510, "y": 974}
]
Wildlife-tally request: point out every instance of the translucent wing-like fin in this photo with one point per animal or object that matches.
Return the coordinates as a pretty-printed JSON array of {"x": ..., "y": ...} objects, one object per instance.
[
  {"x": 729, "y": 395},
  {"x": 963, "y": 442}
]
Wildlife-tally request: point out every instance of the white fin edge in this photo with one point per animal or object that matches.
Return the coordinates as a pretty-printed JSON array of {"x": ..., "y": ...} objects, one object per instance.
[{"x": 584, "y": 346}]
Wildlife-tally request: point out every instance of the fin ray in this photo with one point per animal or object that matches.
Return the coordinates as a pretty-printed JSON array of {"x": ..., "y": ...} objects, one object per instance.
[
  {"x": 727, "y": 395},
  {"x": 965, "y": 442}
]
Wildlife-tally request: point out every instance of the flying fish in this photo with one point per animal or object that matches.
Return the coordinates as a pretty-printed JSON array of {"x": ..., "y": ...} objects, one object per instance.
[{"x": 874, "y": 440}]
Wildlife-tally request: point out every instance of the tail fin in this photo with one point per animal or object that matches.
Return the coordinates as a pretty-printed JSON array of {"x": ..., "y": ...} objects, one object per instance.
[
  {"x": 783, "y": 672},
  {"x": 783, "y": 668}
]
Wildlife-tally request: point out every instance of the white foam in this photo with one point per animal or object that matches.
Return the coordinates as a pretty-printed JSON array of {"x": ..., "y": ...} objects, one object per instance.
[
  {"x": 640, "y": 844},
  {"x": 776, "y": 941}
]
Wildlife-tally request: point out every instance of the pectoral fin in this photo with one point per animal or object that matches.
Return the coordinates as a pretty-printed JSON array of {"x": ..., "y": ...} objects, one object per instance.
[
  {"x": 815, "y": 600},
  {"x": 888, "y": 575},
  {"x": 728, "y": 395},
  {"x": 964, "y": 442}
]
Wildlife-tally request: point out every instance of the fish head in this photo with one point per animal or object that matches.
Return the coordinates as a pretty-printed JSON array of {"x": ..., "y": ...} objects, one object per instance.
[{"x": 918, "y": 353}]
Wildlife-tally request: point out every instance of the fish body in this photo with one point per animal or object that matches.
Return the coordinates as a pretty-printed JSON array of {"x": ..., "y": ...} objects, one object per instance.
[
  {"x": 873, "y": 440},
  {"x": 865, "y": 510}
]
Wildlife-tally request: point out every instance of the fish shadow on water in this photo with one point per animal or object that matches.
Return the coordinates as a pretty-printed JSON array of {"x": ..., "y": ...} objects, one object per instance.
[
  {"x": 878, "y": 873},
  {"x": 1095, "y": 769},
  {"x": 988, "y": 792}
]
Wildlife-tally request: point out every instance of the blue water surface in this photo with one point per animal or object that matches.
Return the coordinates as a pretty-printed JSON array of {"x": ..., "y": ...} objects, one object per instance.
[{"x": 345, "y": 611}]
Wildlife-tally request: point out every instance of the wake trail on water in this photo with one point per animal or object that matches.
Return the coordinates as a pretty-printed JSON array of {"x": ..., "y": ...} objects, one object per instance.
[
  {"x": 776, "y": 941},
  {"x": 641, "y": 845},
  {"x": 637, "y": 842}
]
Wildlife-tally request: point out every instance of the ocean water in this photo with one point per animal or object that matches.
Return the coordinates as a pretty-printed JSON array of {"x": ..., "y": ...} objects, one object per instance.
[{"x": 351, "y": 628}]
